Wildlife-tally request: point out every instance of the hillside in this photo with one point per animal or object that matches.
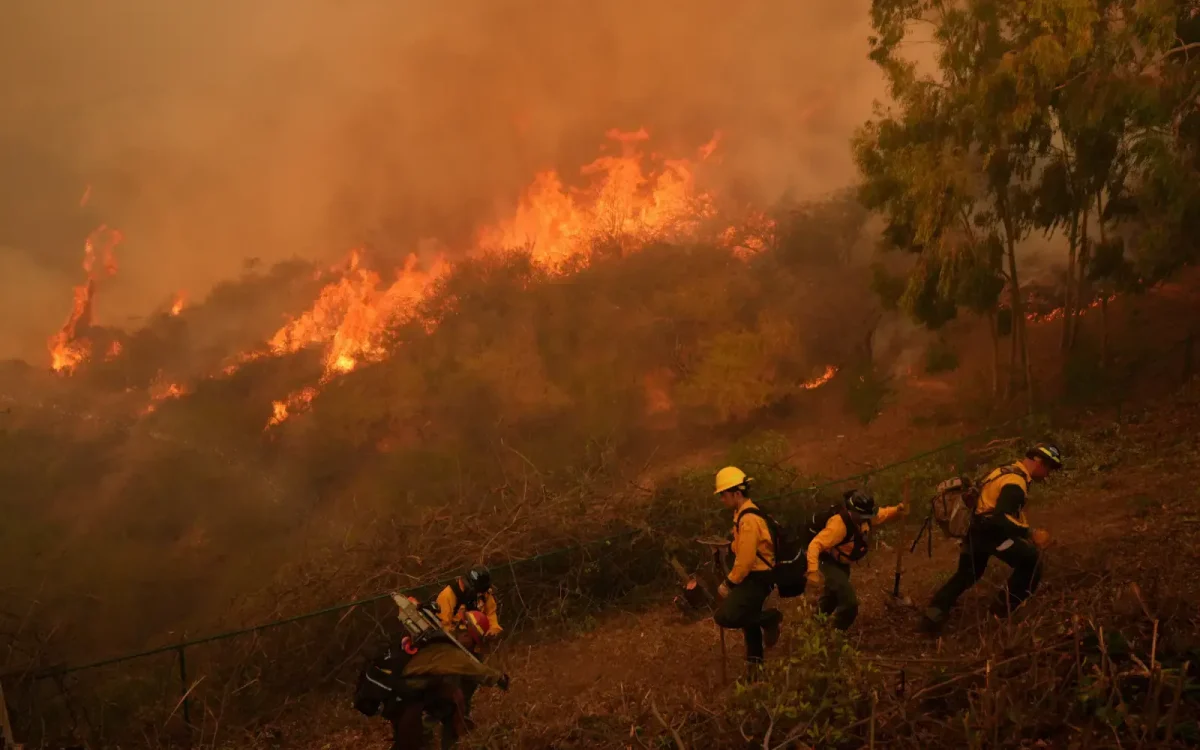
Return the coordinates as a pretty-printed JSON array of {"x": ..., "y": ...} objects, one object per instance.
[{"x": 606, "y": 682}]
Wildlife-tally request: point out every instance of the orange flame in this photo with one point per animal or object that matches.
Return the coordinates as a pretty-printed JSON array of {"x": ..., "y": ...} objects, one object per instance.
[
  {"x": 351, "y": 318},
  {"x": 624, "y": 205},
  {"x": 296, "y": 401},
  {"x": 160, "y": 392},
  {"x": 178, "y": 303},
  {"x": 1059, "y": 312},
  {"x": 821, "y": 379},
  {"x": 69, "y": 347},
  {"x": 114, "y": 350}
]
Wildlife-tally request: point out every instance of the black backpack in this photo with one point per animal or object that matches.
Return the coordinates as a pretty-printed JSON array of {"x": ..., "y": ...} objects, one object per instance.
[
  {"x": 853, "y": 530},
  {"x": 382, "y": 680},
  {"x": 791, "y": 564}
]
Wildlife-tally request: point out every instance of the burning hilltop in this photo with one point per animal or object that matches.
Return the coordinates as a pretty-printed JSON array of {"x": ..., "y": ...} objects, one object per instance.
[
  {"x": 622, "y": 202},
  {"x": 71, "y": 346}
]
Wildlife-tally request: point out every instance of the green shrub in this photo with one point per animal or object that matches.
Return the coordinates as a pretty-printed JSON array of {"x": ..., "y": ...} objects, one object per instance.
[{"x": 813, "y": 693}]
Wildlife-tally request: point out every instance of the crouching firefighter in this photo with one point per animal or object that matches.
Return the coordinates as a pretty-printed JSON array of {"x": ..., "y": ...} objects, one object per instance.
[
  {"x": 749, "y": 583},
  {"x": 459, "y": 604},
  {"x": 423, "y": 673},
  {"x": 841, "y": 536},
  {"x": 998, "y": 528}
]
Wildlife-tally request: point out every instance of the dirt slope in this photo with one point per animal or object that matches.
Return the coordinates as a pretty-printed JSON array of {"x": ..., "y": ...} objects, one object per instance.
[{"x": 1107, "y": 513}]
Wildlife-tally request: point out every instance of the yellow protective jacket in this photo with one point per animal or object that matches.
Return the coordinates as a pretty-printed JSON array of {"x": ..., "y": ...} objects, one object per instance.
[
  {"x": 1002, "y": 499},
  {"x": 453, "y": 612},
  {"x": 752, "y": 547},
  {"x": 834, "y": 541}
]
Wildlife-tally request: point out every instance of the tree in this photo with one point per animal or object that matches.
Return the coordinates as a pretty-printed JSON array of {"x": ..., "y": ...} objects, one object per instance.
[{"x": 948, "y": 166}]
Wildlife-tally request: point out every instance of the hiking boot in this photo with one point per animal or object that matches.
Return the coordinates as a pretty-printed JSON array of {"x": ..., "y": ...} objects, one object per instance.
[
  {"x": 932, "y": 621},
  {"x": 771, "y": 629},
  {"x": 754, "y": 671}
]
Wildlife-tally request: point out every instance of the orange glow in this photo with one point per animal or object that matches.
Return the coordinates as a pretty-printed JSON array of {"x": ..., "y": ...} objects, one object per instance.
[
  {"x": 1059, "y": 312},
  {"x": 624, "y": 204},
  {"x": 350, "y": 318},
  {"x": 160, "y": 392},
  {"x": 298, "y": 401},
  {"x": 178, "y": 303},
  {"x": 70, "y": 347},
  {"x": 821, "y": 379},
  {"x": 629, "y": 200},
  {"x": 114, "y": 350}
]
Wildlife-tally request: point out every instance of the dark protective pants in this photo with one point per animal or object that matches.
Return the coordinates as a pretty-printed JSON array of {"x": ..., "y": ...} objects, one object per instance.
[
  {"x": 743, "y": 609},
  {"x": 839, "y": 598},
  {"x": 408, "y": 725},
  {"x": 979, "y": 547}
]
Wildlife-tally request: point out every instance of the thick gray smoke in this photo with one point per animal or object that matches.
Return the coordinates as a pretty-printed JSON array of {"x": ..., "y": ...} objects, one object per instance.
[{"x": 212, "y": 132}]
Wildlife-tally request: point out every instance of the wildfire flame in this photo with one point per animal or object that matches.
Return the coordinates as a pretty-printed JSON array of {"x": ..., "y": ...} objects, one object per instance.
[
  {"x": 1059, "y": 312},
  {"x": 178, "y": 303},
  {"x": 114, "y": 350},
  {"x": 821, "y": 379},
  {"x": 70, "y": 347},
  {"x": 298, "y": 400},
  {"x": 623, "y": 205},
  {"x": 162, "y": 391},
  {"x": 351, "y": 318}
]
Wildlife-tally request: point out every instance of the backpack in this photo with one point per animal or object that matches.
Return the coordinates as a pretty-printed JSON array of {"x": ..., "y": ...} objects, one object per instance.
[
  {"x": 955, "y": 500},
  {"x": 854, "y": 533},
  {"x": 380, "y": 680},
  {"x": 791, "y": 565}
]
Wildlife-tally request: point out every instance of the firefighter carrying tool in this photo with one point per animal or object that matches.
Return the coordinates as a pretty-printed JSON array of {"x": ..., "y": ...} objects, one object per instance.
[
  {"x": 841, "y": 536},
  {"x": 998, "y": 528},
  {"x": 747, "y": 586},
  {"x": 457, "y": 605},
  {"x": 422, "y": 672}
]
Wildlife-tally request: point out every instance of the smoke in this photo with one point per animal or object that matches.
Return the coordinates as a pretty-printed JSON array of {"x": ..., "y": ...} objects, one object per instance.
[{"x": 219, "y": 131}]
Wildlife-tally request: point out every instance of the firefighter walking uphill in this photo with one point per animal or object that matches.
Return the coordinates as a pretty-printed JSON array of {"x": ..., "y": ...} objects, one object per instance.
[
  {"x": 457, "y": 607},
  {"x": 999, "y": 529},
  {"x": 749, "y": 583},
  {"x": 841, "y": 537}
]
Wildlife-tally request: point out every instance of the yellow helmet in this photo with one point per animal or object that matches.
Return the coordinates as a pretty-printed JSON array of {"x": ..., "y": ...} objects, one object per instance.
[{"x": 729, "y": 478}]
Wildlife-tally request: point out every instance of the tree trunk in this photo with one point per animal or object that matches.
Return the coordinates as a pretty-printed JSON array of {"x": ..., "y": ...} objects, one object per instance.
[
  {"x": 1069, "y": 290},
  {"x": 1080, "y": 294},
  {"x": 1103, "y": 331},
  {"x": 994, "y": 327},
  {"x": 1018, "y": 305}
]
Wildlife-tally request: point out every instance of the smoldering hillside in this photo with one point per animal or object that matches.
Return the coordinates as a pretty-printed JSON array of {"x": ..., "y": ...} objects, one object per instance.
[{"x": 214, "y": 132}]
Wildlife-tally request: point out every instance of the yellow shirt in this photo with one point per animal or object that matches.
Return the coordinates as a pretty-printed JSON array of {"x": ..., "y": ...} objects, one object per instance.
[
  {"x": 453, "y": 613},
  {"x": 829, "y": 540},
  {"x": 752, "y": 546},
  {"x": 993, "y": 483}
]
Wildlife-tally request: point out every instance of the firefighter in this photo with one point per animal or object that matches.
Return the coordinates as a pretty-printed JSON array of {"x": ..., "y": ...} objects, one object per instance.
[
  {"x": 467, "y": 594},
  {"x": 749, "y": 583},
  {"x": 406, "y": 684},
  {"x": 841, "y": 537},
  {"x": 471, "y": 592},
  {"x": 999, "y": 529}
]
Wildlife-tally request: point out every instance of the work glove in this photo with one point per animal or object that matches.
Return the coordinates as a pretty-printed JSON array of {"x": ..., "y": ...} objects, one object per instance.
[
  {"x": 723, "y": 591},
  {"x": 1040, "y": 538},
  {"x": 814, "y": 583},
  {"x": 902, "y": 510}
]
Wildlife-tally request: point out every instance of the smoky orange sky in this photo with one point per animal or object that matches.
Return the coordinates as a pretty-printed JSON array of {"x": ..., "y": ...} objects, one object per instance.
[{"x": 212, "y": 132}]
